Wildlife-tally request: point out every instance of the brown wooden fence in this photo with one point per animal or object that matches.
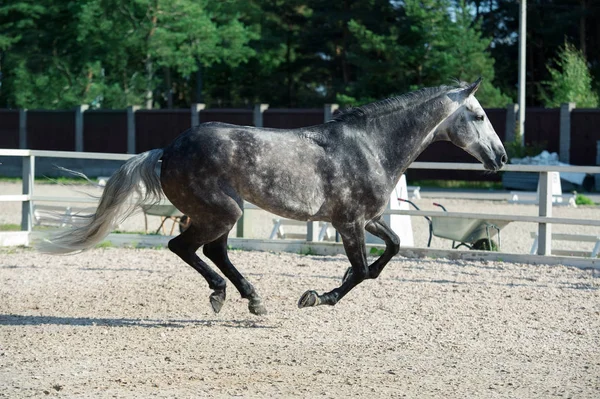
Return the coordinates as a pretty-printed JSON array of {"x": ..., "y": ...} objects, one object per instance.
[
  {"x": 51, "y": 130},
  {"x": 9, "y": 128},
  {"x": 107, "y": 131},
  {"x": 585, "y": 132}
]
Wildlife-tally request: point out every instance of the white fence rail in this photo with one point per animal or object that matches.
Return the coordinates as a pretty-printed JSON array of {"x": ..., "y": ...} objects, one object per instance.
[{"x": 544, "y": 218}]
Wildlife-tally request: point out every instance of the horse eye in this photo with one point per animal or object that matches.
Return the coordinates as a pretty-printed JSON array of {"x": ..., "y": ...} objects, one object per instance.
[{"x": 479, "y": 117}]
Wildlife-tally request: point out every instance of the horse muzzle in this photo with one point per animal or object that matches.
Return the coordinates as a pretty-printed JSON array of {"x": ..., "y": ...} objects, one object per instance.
[{"x": 497, "y": 162}]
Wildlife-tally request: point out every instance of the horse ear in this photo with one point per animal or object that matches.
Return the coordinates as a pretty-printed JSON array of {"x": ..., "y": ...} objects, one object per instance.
[{"x": 472, "y": 87}]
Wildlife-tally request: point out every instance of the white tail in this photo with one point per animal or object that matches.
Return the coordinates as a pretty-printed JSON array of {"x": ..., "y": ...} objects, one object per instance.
[{"x": 136, "y": 173}]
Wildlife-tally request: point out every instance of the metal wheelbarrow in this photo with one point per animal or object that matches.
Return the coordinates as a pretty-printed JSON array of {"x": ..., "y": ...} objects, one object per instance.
[{"x": 467, "y": 232}]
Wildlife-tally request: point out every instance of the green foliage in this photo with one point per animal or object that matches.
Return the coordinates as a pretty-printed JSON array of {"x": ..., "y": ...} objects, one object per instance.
[
  {"x": 10, "y": 227},
  {"x": 309, "y": 251},
  {"x": 105, "y": 244},
  {"x": 294, "y": 53},
  {"x": 109, "y": 53},
  {"x": 135, "y": 232},
  {"x": 516, "y": 149},
  {"x": 484, "y": 244},
  {"x": 427, "y": 47},
  {"x": 47, "y": 180},
  {"x": 570, "y": 81},
  {"x": 581, "y": 199},
  {"x": 473, "y": 59},
  {"x": 376, "y": 251},
  {"x": 462, "y": 184}
]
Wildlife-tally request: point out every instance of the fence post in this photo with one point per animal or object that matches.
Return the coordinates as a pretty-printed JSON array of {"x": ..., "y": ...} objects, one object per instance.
[
  {"x": 27, "y": 206},
  {"x": 597, "y": 176},
  {"x": 312, "y": 228},
  {"x": 258, "y": 122},
  {"x": 131, "y": 128},
  {"x": 79, "y": 110},
  {"x": 328, "y": 111},
  {"x": 22, "y": 129},
  {"x": 196, "y": 108},
  {"x": 511, "y": 122},
  {"x": 239, "y": 226},
  {"x": 564, "y": 153},
  {"x": 545, "y": 209},
  {"x": 312, "y": 231},
  {"x": 257, "y": 117}
]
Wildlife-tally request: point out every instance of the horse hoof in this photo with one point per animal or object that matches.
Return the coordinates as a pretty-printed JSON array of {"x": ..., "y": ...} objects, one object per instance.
[
  {"x": 256, "y": 307},
  {"x": 217, "y": 299},
  {"x": 347, "y": 275},
  {"x": 309, "y": 298}
]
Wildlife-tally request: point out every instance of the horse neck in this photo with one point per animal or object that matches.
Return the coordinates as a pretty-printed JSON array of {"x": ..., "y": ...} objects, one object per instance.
[{"x": 405, "y": 134}]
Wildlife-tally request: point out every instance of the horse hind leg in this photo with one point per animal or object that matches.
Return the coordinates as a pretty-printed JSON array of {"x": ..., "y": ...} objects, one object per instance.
[
  {"x": 185, "y": 246},
  {"x": 217, "y": 252}
]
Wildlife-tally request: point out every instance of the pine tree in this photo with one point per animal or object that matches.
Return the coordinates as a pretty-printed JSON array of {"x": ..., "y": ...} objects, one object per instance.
[{"x": 570, "y": 80}]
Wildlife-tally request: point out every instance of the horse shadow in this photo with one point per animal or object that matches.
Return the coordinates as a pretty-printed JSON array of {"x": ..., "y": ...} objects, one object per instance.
[{"x": 30, "y": 320}]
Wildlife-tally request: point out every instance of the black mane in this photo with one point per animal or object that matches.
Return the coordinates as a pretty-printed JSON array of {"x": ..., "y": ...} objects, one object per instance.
[{"x": 394, "y": 103}]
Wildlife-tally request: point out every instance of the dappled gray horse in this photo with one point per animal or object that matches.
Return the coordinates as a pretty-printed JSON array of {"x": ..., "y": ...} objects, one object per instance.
[{"x": 341, "y": 172}]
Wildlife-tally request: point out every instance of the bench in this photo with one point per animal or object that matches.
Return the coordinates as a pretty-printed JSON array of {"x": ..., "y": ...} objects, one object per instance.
[
  {"x": 279, "y": 232},
  {"x": 570, "y": 237},
  {"x": 59, "y": 216}
]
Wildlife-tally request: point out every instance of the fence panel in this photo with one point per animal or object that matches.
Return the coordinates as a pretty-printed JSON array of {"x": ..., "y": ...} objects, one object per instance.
[
  {"x": 584, "y": 134},
  {"x": 105, "y": 131},
  {"x": 542, "y": 127},
  {"x": 51, "y": 130},
  {"x": 237, "y": 116},
  {"x": 158, "y": 128},
  {"x": 497, "y": 117},
  {"x": 9, "y": 128},
  {"x": 283, "y": 118}
]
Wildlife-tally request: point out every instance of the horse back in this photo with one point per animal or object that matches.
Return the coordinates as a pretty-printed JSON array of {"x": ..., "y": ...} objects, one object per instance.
[
  {"x": 277, "y": 170},
  {"x": 301, "y": 174}
]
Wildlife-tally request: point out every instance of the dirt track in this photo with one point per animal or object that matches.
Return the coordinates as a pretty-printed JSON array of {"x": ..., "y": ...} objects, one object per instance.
[{"x": 137, "y": 323}]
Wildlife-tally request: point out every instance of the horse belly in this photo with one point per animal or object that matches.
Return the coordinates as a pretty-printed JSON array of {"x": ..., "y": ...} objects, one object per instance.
[{"x": 287, "y": 197}]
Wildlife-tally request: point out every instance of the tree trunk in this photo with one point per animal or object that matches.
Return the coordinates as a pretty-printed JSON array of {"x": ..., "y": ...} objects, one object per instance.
[
  {"x": 169, "y": 87},
  {"x": 582, "y": 29},
  {"x": 288, "y": 63},
  {"x": 149, "y": 78},
  {"x": 199, "y": 85}
]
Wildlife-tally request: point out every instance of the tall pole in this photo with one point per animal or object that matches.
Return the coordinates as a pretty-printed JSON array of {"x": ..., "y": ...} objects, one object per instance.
[{"x": 522, "y": 41}]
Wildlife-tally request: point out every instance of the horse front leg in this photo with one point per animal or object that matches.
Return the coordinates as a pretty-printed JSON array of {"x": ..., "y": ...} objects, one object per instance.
[
  {"x": 380, "y": 229},
  {"x": 353, "y": 237}
]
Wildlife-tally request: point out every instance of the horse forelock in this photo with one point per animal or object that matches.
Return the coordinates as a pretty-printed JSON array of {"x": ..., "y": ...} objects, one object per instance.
[{"x": 397, "y": 103}]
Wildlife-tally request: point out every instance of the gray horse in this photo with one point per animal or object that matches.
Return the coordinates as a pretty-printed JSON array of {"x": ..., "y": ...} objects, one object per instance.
[{"x": 341, "y": 172}]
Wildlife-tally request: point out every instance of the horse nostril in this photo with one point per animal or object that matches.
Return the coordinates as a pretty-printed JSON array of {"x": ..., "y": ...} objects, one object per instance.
[{"x": 504, "y": 159}]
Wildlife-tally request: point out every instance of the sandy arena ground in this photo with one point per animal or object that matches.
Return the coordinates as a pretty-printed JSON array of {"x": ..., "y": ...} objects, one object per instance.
[{"x": 136, "y": 323}]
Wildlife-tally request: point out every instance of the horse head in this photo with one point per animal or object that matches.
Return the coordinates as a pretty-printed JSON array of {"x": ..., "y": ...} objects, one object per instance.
[{"x": 470, "y": 129}]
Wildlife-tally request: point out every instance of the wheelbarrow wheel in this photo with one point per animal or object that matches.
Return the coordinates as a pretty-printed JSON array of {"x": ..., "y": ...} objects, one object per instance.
[{"x": 483, "y": 244}]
